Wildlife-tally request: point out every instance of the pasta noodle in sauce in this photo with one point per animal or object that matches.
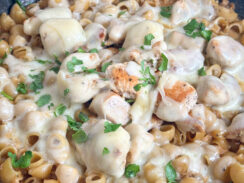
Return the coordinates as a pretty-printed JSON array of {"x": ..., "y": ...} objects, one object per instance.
[{"x": 132, "y": 91}]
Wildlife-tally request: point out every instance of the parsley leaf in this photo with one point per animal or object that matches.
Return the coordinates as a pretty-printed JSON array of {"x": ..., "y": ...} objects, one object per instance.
[
  {"x": 21, "y": 5},
  {"x": 50, "y": 105},
  {"x": 103, "y": 44},
  {"x": 164, "y": 64},
  {"x": 80, "y": 136},
  {"x": 23, "y": 162},
  {"x": 59, "y": 110},
  {"x": 37, "y": 83},
  {"x": 80, "y": 50},
  {"x": 83, "y": 117},
  {"x": 43, "y": 100},
  {"x": 121, "y": 13},
  {"x": 7, "y": 96},
  {"x": 3, "y": 58},
  {"x": 130, "y": 101},
  {"x": 66, "y": 92},
  {"x": 105, "y": 66},
  {"x": 105, "y": 151},
  {"x": 121, "y": 49},
  {"x": 166, "y": 11},
  {"x": 55, "y": 69},
  {"x": 170, "y": 173},
  {"x": 67, "y": 53},
  {"x": 131, "y": 170},
  {"x": 21, "y": 88},
  {"x": 110, "y": 127},
  {"x": 148, "y": 78},
  {"x": 71, "y": 64},
  {"x": 74, "y": 125},
  {"x": 194, "y": 29},
  {"x": 94, "y": 50},
  {"x": 202, "y": 72},
  {"x": 89, "y": 71},
  {"x": 148, "y": 38},
  {"x": 44, "y": 61}
]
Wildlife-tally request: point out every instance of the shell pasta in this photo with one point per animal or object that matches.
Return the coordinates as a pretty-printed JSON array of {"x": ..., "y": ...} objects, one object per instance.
[{"x": 122, "y": 91}]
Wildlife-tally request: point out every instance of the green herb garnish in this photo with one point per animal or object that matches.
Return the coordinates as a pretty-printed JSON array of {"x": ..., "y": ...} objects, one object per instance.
[
  {"x": 80, "y": 136},
  {"x": 131, "y": 170},
  {"x": 83, "y": 117},
  {"x": 7, "y": 96},
  {"x": 170, "y": 173},
  {"x": 59, "y": 110},
  {"x": 164, "y": 64},
  {"x": 89, "y": 71},
  {"x": 23, "y": 162},
  {"x": 37, "y": 83},
  {"x": 44, "y": 61},
  {"x": 105, "y": 66},
  {"x": 148, "y": 39},
  {"x": 3, "y": 58},
  {"x": 121, "y": 13},
  {"x": 94, "y": 50},
  {"x": 21, "y": 5},
  {"x": 71, "y": 64},
  {"x": 147, "y": 79},
  {"x": 66, "y": 92},
  {"x": 22, "y": 88},
  {"x": 43, "y": 100},
  {"x": 110, "y": 127},
  {"x": 74, "y": 125},
  {"x": 202, "y": 72},
  {"x": 166, "y": 11},
  {"x": 80, "y": 50},
  {"x": 105, "y": 151}
]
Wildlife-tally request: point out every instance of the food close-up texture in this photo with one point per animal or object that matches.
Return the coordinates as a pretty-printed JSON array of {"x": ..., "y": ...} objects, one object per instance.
[{"x": 122, "y": 91}]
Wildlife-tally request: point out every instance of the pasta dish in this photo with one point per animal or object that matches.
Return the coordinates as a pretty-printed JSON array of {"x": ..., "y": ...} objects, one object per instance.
[{"x": 122, "y": 91}]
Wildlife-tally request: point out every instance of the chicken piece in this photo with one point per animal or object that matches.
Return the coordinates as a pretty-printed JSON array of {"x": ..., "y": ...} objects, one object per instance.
[
  {"x": 180, "y": 40},
  {"x": 111, "y": 106},
  {"x": 60, "y": 35},
  {"x": 141, "y": 144},
  {"x": 95, "y": 34},
  {"x": 185, "y": 63},
  {"x": 82, "y": 87},
  {"x": 225, "y": 51},
  {"x": 176, "y": 98},
  {"x": 212, "y": 91},
  {"x": 91, "y": 152},
  {"x": 124, "y": 76},
  {"x": 236, "y": 129},
  {"x": 195, "y": 122},
  {"x": 216, "y": 92},
  {"x": 136, "y": 34}
]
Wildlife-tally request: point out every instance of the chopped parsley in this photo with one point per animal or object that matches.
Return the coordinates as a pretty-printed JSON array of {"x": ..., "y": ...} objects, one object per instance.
[
  {"x": 170, "y": 173},
  {"x": 23, "y": 162},
  {"x": 148, "y": 39},
  {"x": 55, "y": 69},
  {"x": 130, "y": 101},
  {"x": 7, "y": 96},
  {"x": 21, "y": 5},
  {"x": 80, "y": 136},
  {"x": 44, "y": 61},
  {"x": 121, "y": 49},
  {"x": 80, "y": 50},
  {"x": 22, "y": 88},
  {"x": 66, "y": 92},
  {"x": 59, "y": 110},
  {"x": 142, "y": 47},
  {"x": 194, "y": 29},
  {"x": 89, "y": 71},
  {"x": 93, "y": 50},
  {"x": 105, "y": 151},
  {"x": 37, "y": 81},
  {"x": 202, "y": 72},
  {"x": 103, "y": 44},
  {"x": 121, "y": 13},
  {"x": 50, "y": 105},
  {"x": 131, "y": 170},
  {"x": 67, "y": 53},
  {"x": 147, "y": 79},
  {"x": 58, "y": 64},
  {"x": 3, "y": 58},
  {"x": 71, "y": 64},
  {"x": 166, "y": 11},
  {"x": 110, "y": 127},
  {"x": 164, "y": 64},
  {"x": 83, "y": 117},
  {"x": 74, "y": 125},
  {"x": 43, "y": 100},
  {"x": 105, "y": 66}
]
